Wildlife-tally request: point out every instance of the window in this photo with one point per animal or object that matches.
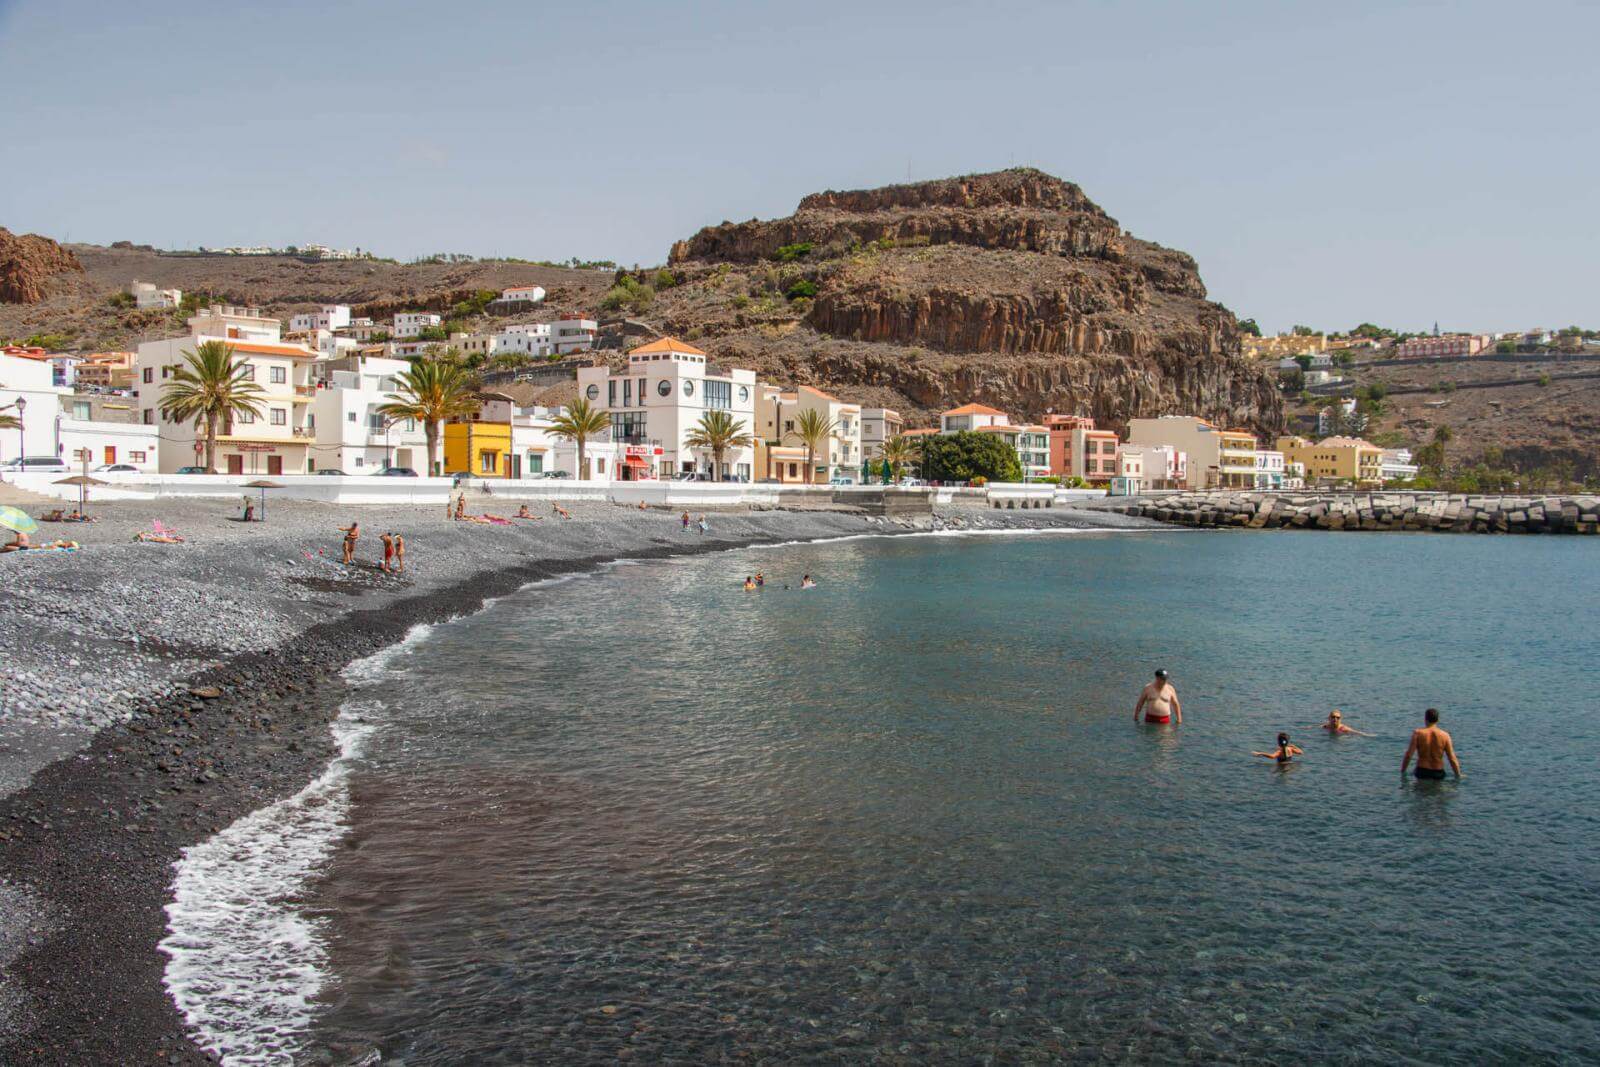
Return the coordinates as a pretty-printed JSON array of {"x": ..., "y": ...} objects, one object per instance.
[
  {"x": 628, "y": 427},
  {"x": 280, "y": 417},
  {"x": 744, "y": 393},
  {"x": 149, "y": 375},
  {"x": 80, "y": 409},
  {"x": 279, "y": 375},
  {"x": 719, "y": 395},
  {"x": 350, "y": 415},
  {"x": 375, "y": 422},
  {"x": 486, "y": 462},
  {"x": 664, "y": 387},
  {"x": 360, "y": 462},
  {"x": 593, "y": 392},
  {"x": 535, "y": 462},
  {"x": 149, "y": 416},
  {"x": 688, "y": 387},
  {"x": 611, "y": 393},
  {"x": 411, "y": 424},
  {"x": 244, "y": 417},
  {"x": 627, "y": 392},
  {"x": 136, "y": 457},
  {"x": 248, "y": 372}
]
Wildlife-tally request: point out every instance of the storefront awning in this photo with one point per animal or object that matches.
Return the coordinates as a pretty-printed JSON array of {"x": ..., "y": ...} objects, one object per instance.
[{"x": 635, "y": 461}]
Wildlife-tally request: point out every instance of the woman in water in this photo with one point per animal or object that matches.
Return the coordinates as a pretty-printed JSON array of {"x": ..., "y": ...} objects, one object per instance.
[
  {"x": 749, "y": 584},
  {"x": 1285, "y": 752},
  {"x": 807, "y": 583}
]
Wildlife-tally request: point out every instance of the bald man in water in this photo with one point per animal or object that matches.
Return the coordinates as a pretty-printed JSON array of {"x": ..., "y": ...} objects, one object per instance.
[
  {"x": 1159, "y": 702},
  {"x": 1432, "y": 746}
]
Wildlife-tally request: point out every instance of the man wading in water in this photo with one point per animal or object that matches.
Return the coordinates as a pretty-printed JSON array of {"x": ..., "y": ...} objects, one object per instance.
[
  {"x": 1159, "y": 702},
  {"x": 1432, "y": 746}
]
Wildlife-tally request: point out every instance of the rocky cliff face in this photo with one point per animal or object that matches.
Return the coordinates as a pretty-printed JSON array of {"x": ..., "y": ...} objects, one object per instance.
[
  {"x": 1012, "y": 288},
  {"x": 26, "y": 261}
]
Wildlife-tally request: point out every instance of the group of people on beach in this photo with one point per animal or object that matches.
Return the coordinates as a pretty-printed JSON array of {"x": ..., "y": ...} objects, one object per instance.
[
  {"x": 758, "y": 580},
  {"x": 701, "y": 523},
  {"x": 1431, "y": 746},
  {"x": 394, "y": 548}
]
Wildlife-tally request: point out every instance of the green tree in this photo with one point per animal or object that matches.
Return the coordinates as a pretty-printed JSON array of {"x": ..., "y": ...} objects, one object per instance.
[
  {"x": 9, "y": 422},
  {"x": 813, "y": 428},
  {"x": 432, "y": 391},
  {"x": 965, "y": 456},
  {"x": 577, "y": 424},
  {"x": 209, "y": 387},
  {"x": 718, "y": 431},
  {"x": 1302, "y": 331},
  {"x": 1505, "y": 348},
  {"x": 898, "y": 452},
  {"x": 1249, "y": 326}
]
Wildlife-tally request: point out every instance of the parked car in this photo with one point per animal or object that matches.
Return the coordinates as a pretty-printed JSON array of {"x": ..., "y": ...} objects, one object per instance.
[
  {"x": 193, "y": 470},
  {"x": 397, "y": 472},
  {"x": 911, "y": 483},
  {"x": 768, "y": 481},
  {"x": 691, "y": 476},
  {"x": 116, "y": 468},
  {"x": 836, "y": 480},
  {"x": 331, "y": 472},
  {"x": 557, "y": 474},
  {"x": 36, "y": 464}
]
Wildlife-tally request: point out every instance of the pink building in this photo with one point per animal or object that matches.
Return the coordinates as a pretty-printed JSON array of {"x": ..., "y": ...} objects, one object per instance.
[{"x": 1079, "y": 450}]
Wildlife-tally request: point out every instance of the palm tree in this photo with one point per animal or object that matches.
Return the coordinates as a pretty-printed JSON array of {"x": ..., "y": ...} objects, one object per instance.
[
  {"x": 579, "y": 423},
  {"x": 9, "y": 422},
  {"x": 432, "y": 392},
  {"x": 813, "y": 428},
  {"x": 209, "y": 388},
  {"x": 718, "y": 431},
  {"x": 898, "y": 452}
]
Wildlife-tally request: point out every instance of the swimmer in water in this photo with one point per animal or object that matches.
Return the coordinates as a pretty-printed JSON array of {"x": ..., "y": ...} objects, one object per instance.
[
  {"x": 1285, "y": 752},
  {"x": 749, "y": 584},
  {"x": 807, "y": 583},
  {"x": 1432, "y": 746},
  {"x": 1159, "y": 702},
  {"x": 1334, "y": 724}
]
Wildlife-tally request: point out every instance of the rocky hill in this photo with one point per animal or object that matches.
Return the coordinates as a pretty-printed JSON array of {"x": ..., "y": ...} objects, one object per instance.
[
  {"x": 27, "y": 262},
  {"x": 1012, "y": 288}
]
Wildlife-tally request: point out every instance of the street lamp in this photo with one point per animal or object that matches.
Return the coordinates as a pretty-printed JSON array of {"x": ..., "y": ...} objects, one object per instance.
[{"x": 22, "y": 436}]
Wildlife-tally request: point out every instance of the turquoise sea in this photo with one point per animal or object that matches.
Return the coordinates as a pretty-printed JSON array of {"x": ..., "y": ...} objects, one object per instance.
[{"x": 906, "y": 816}]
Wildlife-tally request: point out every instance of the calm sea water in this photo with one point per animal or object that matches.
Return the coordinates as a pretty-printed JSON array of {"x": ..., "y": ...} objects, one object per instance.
[{"x": 906, "y": 816}]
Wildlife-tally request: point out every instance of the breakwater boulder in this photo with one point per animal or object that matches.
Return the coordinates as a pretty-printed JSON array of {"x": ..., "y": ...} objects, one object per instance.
[{"x": 1376, "y": 510}]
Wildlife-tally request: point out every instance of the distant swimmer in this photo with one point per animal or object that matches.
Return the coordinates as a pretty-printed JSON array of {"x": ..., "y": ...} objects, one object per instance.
[
  {"x": 1334, "y": 724},
  {"x": 1159, "y": 702},
  {"x": 807, "y": 583},
  {"x": 1432, "y": 746},
  {"x": 749, "y": 584},
  {"x": 761, "y": 579},
  {"x": 1284, "y": 753}
]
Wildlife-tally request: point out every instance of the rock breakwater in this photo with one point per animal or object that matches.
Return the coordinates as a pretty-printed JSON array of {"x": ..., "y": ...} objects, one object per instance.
[{"x": 1434, "y": 512}]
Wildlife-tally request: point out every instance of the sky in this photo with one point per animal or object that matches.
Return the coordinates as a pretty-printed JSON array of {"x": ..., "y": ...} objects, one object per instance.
[{"x": 1326, "y": 163}]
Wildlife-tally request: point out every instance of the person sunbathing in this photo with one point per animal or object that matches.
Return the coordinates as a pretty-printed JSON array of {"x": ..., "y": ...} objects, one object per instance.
[
  {"x": 19, "y": 543},
  {"x": 163, "y": 538},
  {"x": 563, "y": 512},
  {"x": 524, "y": 513}
]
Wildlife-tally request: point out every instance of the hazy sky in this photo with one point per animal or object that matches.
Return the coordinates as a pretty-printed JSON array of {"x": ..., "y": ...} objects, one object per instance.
[{"x": 1326, "y": 162}]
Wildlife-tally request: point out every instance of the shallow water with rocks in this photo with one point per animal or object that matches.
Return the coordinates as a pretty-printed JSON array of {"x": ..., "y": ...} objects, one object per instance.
[{"x": 906, "y": 816}]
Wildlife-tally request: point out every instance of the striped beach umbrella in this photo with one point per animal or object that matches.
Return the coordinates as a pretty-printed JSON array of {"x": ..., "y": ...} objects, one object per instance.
[{"x": 17, "y": 520}]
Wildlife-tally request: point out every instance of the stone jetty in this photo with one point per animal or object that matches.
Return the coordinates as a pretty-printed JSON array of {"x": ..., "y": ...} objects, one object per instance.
[{"x": 1331, "y": 510}]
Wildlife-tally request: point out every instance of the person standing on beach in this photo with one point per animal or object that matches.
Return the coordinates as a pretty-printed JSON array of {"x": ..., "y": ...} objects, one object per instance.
[
  {"x": 350, "y": 532},
  {"x": 1432, "y": 746},
  {"x": 461, "y": 505},
  {"x": 388, "y": 551},
  {"x": 704, "y": 528},
  {"x": 1159, "y": 702},
  {"x": 686, "y": 521},
  {"x": 399, "y": 553}
]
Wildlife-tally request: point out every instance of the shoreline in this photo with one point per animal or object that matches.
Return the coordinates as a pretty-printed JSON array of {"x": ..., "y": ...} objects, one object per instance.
[{"x": 91, "y": 840}]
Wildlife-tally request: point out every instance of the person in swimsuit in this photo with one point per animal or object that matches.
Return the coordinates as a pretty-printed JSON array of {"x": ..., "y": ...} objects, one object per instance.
[
  {"x": 685, "y": 520},
  {"x": 350, "y": 532},
  {"x": 1158, "y": 701},
  {"x": 807, "y": 583},
  {"x": 761, "y": 579},
  {"x": 1284, "y": 753},
  {"x": 461, "y": 505},
  {"x": 388, "y": 552},
  {"x": 1432, "y": 746},
  {"x": 400, "y": 553},
  {"x": 1334, "y": 724},
  {"x": 749, "y": 584}
]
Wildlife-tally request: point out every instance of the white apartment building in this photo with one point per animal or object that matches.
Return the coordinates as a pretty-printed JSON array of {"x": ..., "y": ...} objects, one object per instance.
[
  {"x": 328, "y": 317},
  {"x": 1395, "y": 465},
  {"x": 349, "y": 433},
  {"x": 1270, "y": 469},
  {"x": 659, "y": 399},
  {"x": 573, "y": 335},
  {"x": 146, "y": 295},
  {"x": 528, "y": 339},
  {"x": 274, "y": 442},
  {"x": 96, "y": 429},
  {"x": 411, "y": 323},
  {"x": 971, "y": 417},
  {"x": 27, "y": 392},
  {"x": 877, "y": 426}
]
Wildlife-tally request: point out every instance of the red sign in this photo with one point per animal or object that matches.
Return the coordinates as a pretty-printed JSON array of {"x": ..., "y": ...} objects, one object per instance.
[{"x": 643, "y": 450}]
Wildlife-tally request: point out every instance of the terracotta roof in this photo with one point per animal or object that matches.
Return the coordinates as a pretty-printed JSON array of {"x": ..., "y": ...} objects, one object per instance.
[
  {"x": 24, "y": 352},
  {"x": 819, "y": 392},
  {"x": 974, "y": 409},
  {"x": 666, "y": 344},
  {"x": 922, "y": 432},
  {"x": 262, "y": 349},
  {"x": 999, "y": 429}
]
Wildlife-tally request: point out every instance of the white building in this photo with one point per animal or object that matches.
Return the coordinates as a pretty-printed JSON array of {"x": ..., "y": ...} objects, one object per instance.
[
  {"x": 1325, "y": 417},
  {"x": 274, "y": 442},
  {"x": 877, "y": 426},
  {"x": 100, "y": 429},
  {"x": 350, "y": 434},
  {"x": 658, "y": 401},
  {"x": 530, "y": 293},
  {"x": 1217, "y": 458},
  {"x": 573, "y": 335},
  {"x": 527, "y": 339},
  {"x": 146, "y": 295},
  {"x": 782, "y": 455},
  {"x": 411, "y": 323},
  {"x": 1395, "y": 465},
  {"x": 1269, "y": 469},
  {"x": 328, "y": 317},
  {"x": 27, "y": 393}
]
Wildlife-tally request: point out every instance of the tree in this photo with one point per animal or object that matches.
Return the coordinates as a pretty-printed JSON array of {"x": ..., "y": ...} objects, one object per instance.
[
  {"x": 10, "y": 422},
  {"x": 431, "y": 392},
  {"x": 965, "y": 456},
  {"x": 898, "y": 452},
  {"x": 718, "y": 431},
  {"x": 208, "y": 388},
  {"x": 1249, "y": 326},
  {"x": 813, "y": 428},
  {"x": 1302, "y": 331},
  {"x": 579, "y": 423}
]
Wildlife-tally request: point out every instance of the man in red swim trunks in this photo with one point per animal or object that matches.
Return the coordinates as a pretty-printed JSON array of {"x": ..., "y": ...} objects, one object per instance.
[{"x": 1159, "y": 702}]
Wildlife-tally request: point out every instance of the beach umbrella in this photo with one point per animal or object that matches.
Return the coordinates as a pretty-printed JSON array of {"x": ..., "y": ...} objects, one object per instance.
[
  {"x": 263, "y": 485},
  {"x": 82, "y": 481},
  {"x": 17, "y": 520},
  {"x": 866, "y": 471},
  {"x": 888, "y": 473}
]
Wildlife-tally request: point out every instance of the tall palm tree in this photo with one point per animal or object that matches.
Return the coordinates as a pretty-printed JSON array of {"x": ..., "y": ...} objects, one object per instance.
[
  {"x": 898, "y": 452},
  {"x": 718, "y": 431},
  {"x": 813, "y": 428},
  {"x": 9, "y": 422},
  {"x": 577, "y": 424},
  {"x": 210, "y": 387},
  {"x": 431, "y": 392}
]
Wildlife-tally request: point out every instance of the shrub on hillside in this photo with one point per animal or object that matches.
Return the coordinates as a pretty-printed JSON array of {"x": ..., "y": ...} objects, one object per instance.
[{"x": 790, "y": 253}]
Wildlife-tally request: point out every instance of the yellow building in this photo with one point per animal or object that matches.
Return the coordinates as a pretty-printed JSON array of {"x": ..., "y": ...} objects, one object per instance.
[
  {"x": 480, "y": 445},
  {"x": 1283, "y": 345},
  {"x": 1338, "y": 459}
]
